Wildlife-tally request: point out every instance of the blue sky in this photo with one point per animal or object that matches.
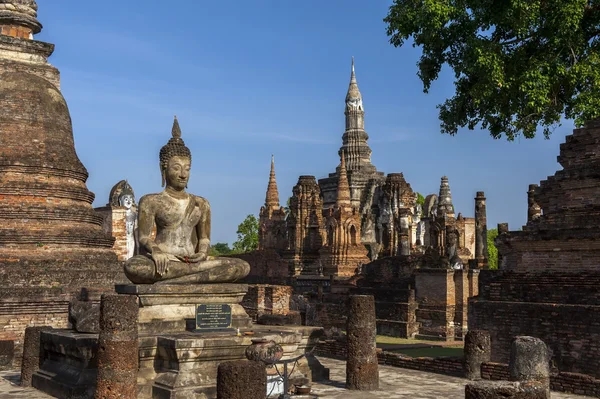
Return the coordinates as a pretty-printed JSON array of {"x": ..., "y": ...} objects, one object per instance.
[{"x": 248, "y": 79}]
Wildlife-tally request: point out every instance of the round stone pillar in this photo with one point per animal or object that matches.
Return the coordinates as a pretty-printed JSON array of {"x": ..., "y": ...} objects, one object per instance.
[
  {"x": 477, "y": 351},
  {"x": 362, "y": 370},
  {"x": 241, "y": 379},
  {"x": 31, "y": 353},
  {"x": 118, "y": 347}
]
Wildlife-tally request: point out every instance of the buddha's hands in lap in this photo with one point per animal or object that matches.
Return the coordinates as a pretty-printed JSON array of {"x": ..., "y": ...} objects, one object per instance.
[
  {"x": 161, "y": 260},
  {"x": 195, "y": 258}
]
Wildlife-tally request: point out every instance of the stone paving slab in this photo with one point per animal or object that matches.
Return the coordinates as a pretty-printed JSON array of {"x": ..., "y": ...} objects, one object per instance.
[
  {"x": 394, "y": 383},
  {"x": 9, "y": 388}
]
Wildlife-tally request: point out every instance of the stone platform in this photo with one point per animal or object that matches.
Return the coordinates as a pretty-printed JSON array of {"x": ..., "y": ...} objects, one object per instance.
[
  {"x": 172, "y": 307},
  {"x": 175, "y": 362}
]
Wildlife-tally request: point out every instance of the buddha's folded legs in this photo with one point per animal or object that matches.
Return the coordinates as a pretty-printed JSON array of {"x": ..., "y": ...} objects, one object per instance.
[{"x": 142, "y": 270}]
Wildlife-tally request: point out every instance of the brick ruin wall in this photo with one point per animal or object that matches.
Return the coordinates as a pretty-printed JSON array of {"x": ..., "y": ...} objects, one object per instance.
[
  {"x": 114, "y": 224},
  {"x": 571, "y": 332},
  {"x": 554, "y": 256},
  {"x": 561, "y": 309},
  {"x": 16, "y": 316},
  {"x": 267, "y": 299}
]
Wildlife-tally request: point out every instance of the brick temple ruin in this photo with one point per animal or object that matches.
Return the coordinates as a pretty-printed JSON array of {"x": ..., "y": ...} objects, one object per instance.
[
  {"x": 359, "y": 231},
  {"x": 51, "y": 241},
  {"x": 547, "y": 282},
  {"x": 358, "y": 214}
]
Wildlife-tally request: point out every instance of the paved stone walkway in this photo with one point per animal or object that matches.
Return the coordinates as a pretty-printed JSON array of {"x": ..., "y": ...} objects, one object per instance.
[{"x": 395, "y": 383}]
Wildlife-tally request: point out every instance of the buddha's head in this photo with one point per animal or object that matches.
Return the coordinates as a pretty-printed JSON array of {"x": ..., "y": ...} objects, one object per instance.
[
  {"x": 126, "y": 200},
  {"x": 175, "y": 161}
]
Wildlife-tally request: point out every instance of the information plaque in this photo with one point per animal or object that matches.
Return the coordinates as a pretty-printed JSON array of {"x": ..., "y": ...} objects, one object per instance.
[{"x": 213, "y": 317}]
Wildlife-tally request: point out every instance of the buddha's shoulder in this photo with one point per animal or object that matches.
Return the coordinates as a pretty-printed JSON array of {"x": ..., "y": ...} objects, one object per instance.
[
  {"x": 149, "y": 199},
  {"x": 201, "y": 201}
]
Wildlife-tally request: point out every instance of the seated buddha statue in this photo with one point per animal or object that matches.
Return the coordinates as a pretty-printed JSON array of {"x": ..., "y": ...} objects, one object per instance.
[{"x": 178, "y": 254}]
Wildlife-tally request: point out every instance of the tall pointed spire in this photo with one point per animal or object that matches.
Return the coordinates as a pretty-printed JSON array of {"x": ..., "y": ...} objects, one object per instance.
[
  {"x": 353, "y": 97},
  {"x": 354, "y": 140},
  {"x": 272, "y": 199},
  {"x": 445, "y": 206},
  {"x": 343, "y": 190}
]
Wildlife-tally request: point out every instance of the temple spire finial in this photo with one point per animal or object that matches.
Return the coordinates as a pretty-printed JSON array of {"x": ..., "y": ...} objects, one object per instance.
[
  {"x": 272, "y": 198},
  {"x": 176, "y": 131},
  {"x": 343, "y": 191},
  {"x": 18, "y": 18}
]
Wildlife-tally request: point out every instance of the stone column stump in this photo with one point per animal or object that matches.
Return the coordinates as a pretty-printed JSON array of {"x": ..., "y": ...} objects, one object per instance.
[
  {"x": 477, "y": 351},
  {"x": 31, "y": 353},
  {"x": 529, "y": 360},
  {"x": 362, "y": 370},
  {"x": 529, "y": 368},
  {"x": 241, "y": 379},
  {"x": 118, "y": 348}
]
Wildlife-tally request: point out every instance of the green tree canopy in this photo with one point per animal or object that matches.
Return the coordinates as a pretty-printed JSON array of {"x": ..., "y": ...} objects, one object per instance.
[
  {"x": 420, "y": 199},
  {"x": 247, "y": 235},
  {"x": 492, "y": 250},
  {"x": 518, "y": 65},
  {"x": 220, "y": 248}
]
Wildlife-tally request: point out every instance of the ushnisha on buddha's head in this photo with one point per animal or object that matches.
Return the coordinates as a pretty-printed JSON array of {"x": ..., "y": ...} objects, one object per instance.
[{"x": 175, "y": 161}]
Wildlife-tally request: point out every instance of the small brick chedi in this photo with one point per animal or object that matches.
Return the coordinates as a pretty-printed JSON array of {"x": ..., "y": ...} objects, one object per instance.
[
  {"x": 51, "y": 240},
  {"x": 547, "y": 285},
  {"x": 358, "y": 214}
]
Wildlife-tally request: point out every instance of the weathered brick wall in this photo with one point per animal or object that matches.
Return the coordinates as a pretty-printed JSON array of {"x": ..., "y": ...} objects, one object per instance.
[
  {"x": 572, "y": 332},
  {"x": 395, "y": 310},
  {"x": 266, "y": 266},
  {"x": 579, "y": 384},
  {"x": 15, "y": 317},
  {"x": 552, "y": 255},
  {"x": 114, "y": 224},
  {"x": 548, "y": 287},
  {"x": 267, "y": 299},
  {"x": 435, "y": 294}
]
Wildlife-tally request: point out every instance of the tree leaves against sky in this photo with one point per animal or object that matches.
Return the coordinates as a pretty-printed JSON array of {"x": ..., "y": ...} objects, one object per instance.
[{"x": 519, "y": 65}]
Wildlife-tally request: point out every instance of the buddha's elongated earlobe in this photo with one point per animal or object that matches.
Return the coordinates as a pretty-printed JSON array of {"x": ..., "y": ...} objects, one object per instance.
[{"x": 162, "y": 173}]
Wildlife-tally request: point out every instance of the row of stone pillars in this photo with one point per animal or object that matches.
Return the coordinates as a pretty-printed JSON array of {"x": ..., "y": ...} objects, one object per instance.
[{"x": 529, "y": 368}]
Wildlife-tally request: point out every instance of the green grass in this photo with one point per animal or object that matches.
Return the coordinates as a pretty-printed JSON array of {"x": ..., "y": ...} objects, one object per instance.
[
  {"x": 431, "y": 352},
  {"x": 383, "y": 339}
]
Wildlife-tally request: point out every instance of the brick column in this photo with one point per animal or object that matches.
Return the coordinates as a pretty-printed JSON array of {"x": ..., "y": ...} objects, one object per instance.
[
  {"x": 481, "y": 250},
  {"x": 31, "y": 353},
  {"x": 478, "y": 349},
  {"x": 118, "y": 348},
  {"x": 362, "y": 370},
  {"x": 241, "y": 379}
]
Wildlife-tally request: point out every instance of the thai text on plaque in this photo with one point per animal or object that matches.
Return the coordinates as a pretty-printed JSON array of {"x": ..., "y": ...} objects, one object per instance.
[{"x": 213, "y": 317}]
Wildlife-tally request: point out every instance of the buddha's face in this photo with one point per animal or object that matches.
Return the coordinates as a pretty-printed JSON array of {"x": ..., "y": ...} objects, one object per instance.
[
  {"x": 126, "y": 201},
  {"x": 178, "y": 172}
]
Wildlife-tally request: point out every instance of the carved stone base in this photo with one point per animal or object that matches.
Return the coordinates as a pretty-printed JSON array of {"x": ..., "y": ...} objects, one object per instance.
[
  {"x": 171, "y": 308},
  {"x": 172, "y": 366}
]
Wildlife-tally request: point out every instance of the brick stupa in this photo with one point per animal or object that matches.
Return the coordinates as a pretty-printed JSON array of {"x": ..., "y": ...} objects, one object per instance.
[
  {"x": 51, "y": 240},
  {"x": 547, "y": 285}
]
